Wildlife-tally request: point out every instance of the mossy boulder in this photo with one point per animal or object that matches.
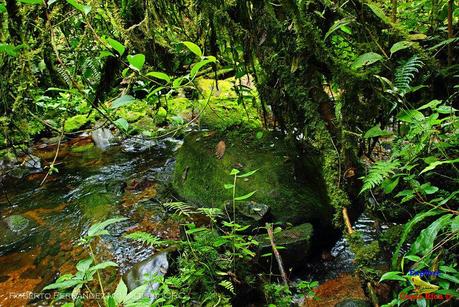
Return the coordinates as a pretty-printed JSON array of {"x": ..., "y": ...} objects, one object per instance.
[
  {"x": 16, "y": 231},
  {"x": 293, "y": 188}
]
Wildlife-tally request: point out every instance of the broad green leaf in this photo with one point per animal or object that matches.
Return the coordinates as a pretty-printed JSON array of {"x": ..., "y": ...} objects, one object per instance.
[
  {"x": 234, "y": 171},
  {"x": 390, "y": 185},
  {"x": 103, "y": 265},
  {"x": 193, "y": 48},
  {"x": 105, "y": 53},
  {"x": 197, "y": 67},
  {"x": 433, "y": 165},
  {"x": 392, "y": 276},
  {"x": 451, "y": 278},
  {"x": 95, "y": 229},
  {"x": 407, "y": 229},
  {"x": 228, "y": 186},
  {"x": 243, "y": 197},
  {"x": 159, "y": 75},
  {"x": 177, "y": 82},
  {"x": 136, "y": 61},
  {"x": 116, "y": 45},
  {"x": 135, "y": 294},
  {"x": 366, "y": 59},
  {"x": 424, "y": 243},
  {"x": 428, "y": 188},
  {"x": 410, "y": 116},
  {"x": 376, "y": 131},
  {"x": 122, "y": 124},
  {"x": 448, "y": 269},
  {"x": 68, "y": 305},
  {"x": 63, "y": 285},
  {"x": 83, "y": 265},
  {"x": 120, "y": 292},
  {"x": 444, "y": 43},
  {"x": 122, "y": 101},
  {"x": 248, "y": 173},
  {"x": 2, "y": 8},
  {"x": 400, "y": 46},
  {"x": 194, "y": 230},
  {"x": 430, "y": 105},
  {"x": 378, "y": 12},
  {"x": 85, "y": 9},
  {"x": 339, "y": 24}
]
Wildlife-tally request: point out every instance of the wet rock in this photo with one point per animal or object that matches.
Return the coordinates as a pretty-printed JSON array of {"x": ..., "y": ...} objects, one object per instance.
[
  {"x": 32, "y": 162},
  {"x": 15, "y": 232},
  {"x": 296, "y": 243},
  {"x": 250, "y": 213},
  {"x": 344, "y": 291},
  {"x": 102, "y": 137},
  {"x": 292, "y": 187},
  {"x": 138, "y": 144},
  {"x": 145, "y": 271}
]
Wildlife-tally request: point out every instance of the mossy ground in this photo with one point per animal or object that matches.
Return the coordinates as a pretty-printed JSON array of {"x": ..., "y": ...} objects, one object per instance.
[{"x": 200, "y": 176}]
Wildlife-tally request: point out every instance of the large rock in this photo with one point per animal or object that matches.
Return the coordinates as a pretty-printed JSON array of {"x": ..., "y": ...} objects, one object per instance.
[
  {"x": 292, "y": 188},
  {"x": 16, "y": 232},
  {"x": 295, "y": 243},
  {"x": 145, "y": 272}
]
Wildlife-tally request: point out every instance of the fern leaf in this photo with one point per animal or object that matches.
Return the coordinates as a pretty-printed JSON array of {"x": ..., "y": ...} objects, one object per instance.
[
  {"x": 405, "y": 74},
  {"x": 378, "y": 173},
  {"x": 180, "y": 208},
  {"x": 145, "y": 238},
  {"x": 227, "y": 285}
]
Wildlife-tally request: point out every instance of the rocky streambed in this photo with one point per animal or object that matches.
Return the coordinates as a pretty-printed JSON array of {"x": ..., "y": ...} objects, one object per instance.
[{"x": 101, "y": 178}]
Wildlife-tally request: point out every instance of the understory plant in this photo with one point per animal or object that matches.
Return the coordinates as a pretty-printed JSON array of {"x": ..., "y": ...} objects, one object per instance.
[{"x": 421, "y": 174}]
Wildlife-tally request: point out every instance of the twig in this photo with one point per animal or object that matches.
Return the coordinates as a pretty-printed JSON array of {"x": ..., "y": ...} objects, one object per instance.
[
  {"x": 55, "y": 156},
  {"x": 347, "y": 221},
  {"x": 276, "y": 254}
]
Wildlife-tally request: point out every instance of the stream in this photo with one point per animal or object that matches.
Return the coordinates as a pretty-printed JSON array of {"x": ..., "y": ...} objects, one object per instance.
[{"x": 41, "y": 224}]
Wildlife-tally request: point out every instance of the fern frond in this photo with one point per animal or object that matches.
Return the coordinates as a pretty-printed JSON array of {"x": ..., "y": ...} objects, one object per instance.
[
  {"x": 378, "y": 173},
  {"x": 145, "y": 238},
  {"x": 64, "y": 75},
  {"x": 91, "y": 70},
  {"x": 180, "y": 208},
  {"x": 228, "y": 285},
  {"x": 405, "y": 73}
]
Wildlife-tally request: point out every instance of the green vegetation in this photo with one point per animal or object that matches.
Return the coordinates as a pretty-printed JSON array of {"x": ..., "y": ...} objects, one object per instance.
[{"x": 296, "y": 116}]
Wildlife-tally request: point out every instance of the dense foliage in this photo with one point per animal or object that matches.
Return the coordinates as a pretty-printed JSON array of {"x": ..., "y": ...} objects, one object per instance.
[{"x": 368, "y": 86}]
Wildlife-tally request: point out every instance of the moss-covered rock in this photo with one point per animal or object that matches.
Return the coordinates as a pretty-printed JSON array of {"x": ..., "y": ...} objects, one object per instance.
[
  {"x": 295, "y": 243},
  {"x": 292, "y": 188},
  {"x": 76, "y": 122}
]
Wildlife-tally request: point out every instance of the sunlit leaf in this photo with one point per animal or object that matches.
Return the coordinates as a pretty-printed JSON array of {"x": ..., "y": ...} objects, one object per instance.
[
  {"x": 339, "y": 24},
  {"x": 122, "y": 101},
  {"x": 136, "y": 61},
  {"x": 400, "y": 46},
  {"x": 244, "y": 197},
  {"x": 159, "y": 75},
  {"x": 193, "y": 48},
  {"x": 366, "y": 59},
  {"x": 116, "y": 45}
]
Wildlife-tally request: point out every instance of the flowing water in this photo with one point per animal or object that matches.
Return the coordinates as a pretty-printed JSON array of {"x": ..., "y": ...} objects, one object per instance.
[{"x": 41, "y": 224}]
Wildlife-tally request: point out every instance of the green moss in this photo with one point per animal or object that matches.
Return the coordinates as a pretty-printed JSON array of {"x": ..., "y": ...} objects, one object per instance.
[
  {"x": 200, "y": 177},
  {"x": 223, "y": 91},
  {"x": 82, "y": 148},
  {"x": 76, "y": 122},
  {"x": 365, "y": 253}
]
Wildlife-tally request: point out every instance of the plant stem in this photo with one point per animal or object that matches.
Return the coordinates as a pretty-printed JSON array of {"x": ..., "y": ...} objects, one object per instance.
[{"x": 97, "y": 272}]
